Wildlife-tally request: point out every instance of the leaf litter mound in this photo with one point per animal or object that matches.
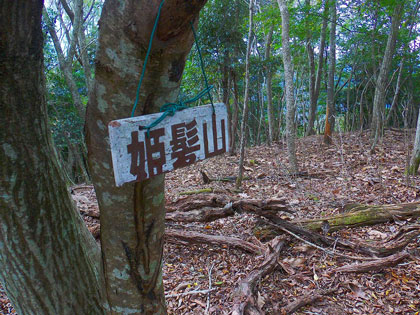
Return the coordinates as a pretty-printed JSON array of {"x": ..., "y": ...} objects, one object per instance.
[{"x": 330, "y": 179}]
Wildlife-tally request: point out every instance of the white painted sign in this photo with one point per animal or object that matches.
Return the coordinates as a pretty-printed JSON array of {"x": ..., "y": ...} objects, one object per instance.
[{"x": 190, "y": 135}]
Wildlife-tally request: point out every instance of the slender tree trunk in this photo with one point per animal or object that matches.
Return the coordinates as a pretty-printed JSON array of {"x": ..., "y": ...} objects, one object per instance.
[
  {"x": 415, "y": 155},
  {"x": 373, "y": 41},
  {"x": 316, "y": 81},
  {"x": 330, "y": 114},
  {"x": 133, "y": 216},
  {"x": 290, "y": 99},
  {"x": 380, "y": 90},
  {"x": 269, "y": 75},
  {"x": 246, "y": 96},
  {"x": 312, "y": 102},
  {"x": 49, "y": 262},
  {"x": 235, "y": 114},
  {"x": 347, "y": 117}
]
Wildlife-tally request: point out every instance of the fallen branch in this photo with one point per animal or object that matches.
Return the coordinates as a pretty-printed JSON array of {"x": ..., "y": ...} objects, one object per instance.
[
  {"x": 332, "y": 253},
  {"x": 396, "y": 244},
  {"x": 375, "y": 265},
  {"x": 195, "y": 192},
  {"x": 245, "y": 299},
  {"x": 282, "y": 225},
  {"x": 362, "y": 215},
  {"x": 208, "y": 180},
  {"x": 307, "y": 299},
  {"x": 188, "y": 237}
]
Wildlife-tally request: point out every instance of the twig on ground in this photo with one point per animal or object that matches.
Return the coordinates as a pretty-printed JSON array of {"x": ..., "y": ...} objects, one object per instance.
[
  {"x": 189, "y": 293},
  {"x": 321, "y": 248},
  {"x": 208, "y": 294}
]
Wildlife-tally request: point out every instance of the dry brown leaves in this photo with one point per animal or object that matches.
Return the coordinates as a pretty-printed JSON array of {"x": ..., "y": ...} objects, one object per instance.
[{"x": 343, "y": 173}]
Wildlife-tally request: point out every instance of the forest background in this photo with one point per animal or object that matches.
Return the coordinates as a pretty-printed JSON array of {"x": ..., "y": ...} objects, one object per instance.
[{"x": 355, "y": 62}]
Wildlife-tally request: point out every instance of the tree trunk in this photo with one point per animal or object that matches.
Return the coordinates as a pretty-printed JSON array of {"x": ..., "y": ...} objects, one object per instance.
[
  {"x": 415, "y": 155},
  {"x": 316, "y": 80},
  {"x": 330, "y": 114},
  {"x": 380, "y": 90},
  {"x": 290, "y": 99},
  {"x": 246, "y": 97},
  {"x": 235, "y": 115},
  {"x": 132, "y": 216},
  {"x": 49, "y": 262},
  {"x": 269, "y": 76}
]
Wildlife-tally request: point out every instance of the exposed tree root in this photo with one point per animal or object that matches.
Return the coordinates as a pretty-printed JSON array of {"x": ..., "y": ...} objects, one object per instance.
[
  {"x": 188, "y": 237},
  {"x": 374, "y": 265},
  {"x": 245, "y": 296},
  {"x": 307, "y": 299}
]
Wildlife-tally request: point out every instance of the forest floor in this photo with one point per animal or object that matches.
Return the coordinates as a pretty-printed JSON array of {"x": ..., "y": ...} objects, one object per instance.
[{"x": 346, "y": 173}]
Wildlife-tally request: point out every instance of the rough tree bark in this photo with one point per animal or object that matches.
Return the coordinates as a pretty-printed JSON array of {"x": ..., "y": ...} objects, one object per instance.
[
  {"x": 49, "y": 262},
  {"x": 132, "y": 216},
  {"x": 330, "y": 114},
  {"x": 381, "y": 83},
  {"x": 246, "y": 97},
  {"x": 290, "y": 99}
]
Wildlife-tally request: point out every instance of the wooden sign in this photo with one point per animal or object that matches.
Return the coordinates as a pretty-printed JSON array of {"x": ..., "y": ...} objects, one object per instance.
[{"x": 190, "y": 135}]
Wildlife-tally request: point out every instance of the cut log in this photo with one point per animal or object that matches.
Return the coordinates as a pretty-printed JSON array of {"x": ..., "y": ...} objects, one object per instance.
[
  {"x": 374, "y": 265},
  {"x": 245, "y": 295},
  {"x": 363, "y": 215},
  {"x": 189, "y": 237}
]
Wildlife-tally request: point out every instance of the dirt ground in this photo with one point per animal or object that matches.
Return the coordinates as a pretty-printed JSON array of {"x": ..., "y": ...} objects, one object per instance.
[{"x": 343, "y": 173}]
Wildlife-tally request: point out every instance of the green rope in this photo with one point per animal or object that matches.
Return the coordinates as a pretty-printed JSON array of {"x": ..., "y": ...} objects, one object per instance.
[
  {"x": 202, "y": 65},
  {"x": 147, "y": 58},
  {"x": 169, "y": 109}
]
